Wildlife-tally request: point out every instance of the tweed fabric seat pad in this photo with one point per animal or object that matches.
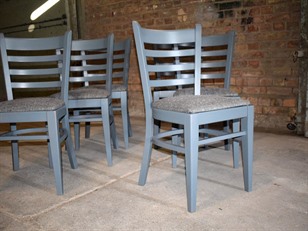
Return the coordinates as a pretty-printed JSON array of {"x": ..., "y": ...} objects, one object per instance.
[
  {"x": 31, "y": 104},
  {"x": 198, "y": 103},
  {"x": 85, "y": 93},
  {"x": 115, "y": 87},
  {"x": 206, "y": 91},
  {"x": 88, "y": 93}
]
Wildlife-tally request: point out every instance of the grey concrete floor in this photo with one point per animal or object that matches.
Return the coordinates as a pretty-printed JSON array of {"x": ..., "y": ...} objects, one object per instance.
[{"x": 98, "y": 197}]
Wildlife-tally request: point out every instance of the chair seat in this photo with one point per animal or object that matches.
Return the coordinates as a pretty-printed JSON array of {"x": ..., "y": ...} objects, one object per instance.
[
  {"x": 198, "y": 103},
  {"x": 31, "y": 104},
  {"x": 86, "y": 93},
  {"x": 206, "y": 91},
  {"x": 115, "y": 87}
]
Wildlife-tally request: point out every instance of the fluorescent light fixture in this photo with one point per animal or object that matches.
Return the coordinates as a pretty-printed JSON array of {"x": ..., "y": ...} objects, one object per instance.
[{"x": 42, "y": 9}]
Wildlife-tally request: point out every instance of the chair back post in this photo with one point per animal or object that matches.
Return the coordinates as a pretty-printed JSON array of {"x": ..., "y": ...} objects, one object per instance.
[
  {"x": 5, "y": 67},
  {"x": 231, "y": 41},
  {"x": 66, "y": 66},
  {"x": 198, "y": 35},
  {"x": 126, "y": 61},
  {"x": 138, "y": 31},
  {"x": 110, "y": 46}
]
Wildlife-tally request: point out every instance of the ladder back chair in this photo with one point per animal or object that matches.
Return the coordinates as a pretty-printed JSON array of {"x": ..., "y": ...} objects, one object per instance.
[
  {"x": 91, "y": 63},
  {"x": 120, "y": 73},
  {"x": 189, "y": 111},
  {"x": 32, "y": 66},
  {"x": 216, "y": 67}
]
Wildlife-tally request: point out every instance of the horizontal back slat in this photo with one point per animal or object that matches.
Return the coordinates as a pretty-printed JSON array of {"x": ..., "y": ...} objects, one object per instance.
[{"x": 38, "y": 71}]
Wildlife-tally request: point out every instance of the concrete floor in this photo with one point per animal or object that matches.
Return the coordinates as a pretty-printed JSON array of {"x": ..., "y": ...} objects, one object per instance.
[{"x": 98, "y": 197}]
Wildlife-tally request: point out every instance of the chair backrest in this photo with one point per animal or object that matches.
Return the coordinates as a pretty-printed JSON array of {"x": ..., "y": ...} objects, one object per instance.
[
  {"x": 121, "y": 62},
  {"x": 38, "y": 64},
  {"x": 217, "y": 54},
  {"x": 91, "y": 61},
  {"x": 157, "y": 54}
]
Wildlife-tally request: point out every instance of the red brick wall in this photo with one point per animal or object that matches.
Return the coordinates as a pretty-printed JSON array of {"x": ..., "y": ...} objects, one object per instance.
[{"x": 268, "y": 32}]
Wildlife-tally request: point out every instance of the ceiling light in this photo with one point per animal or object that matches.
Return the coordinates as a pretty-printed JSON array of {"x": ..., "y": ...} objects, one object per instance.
[
  {"x": 31, "y": 28},
  {"x": 42, "y": 9}
]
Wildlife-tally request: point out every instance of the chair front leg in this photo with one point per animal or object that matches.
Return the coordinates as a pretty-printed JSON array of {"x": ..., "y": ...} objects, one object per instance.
[
  {"x": 147, "y": 152},
  {"x": 69, "y": 143},
  {"x": 247, "y": 147},
  {"x": 105, "y": 108},
  {"x": 191, "y": 137},
  {"x": 53, "y": 133},
  {"x": 113, "y": 131},
  {"x": 125, "y": 121}
]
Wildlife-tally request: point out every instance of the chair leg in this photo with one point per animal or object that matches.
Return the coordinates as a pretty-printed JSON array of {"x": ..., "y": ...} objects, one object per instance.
[
  {"x": 49, "y": 156},
  {"x": 130, "y": 131},
  {"x": 87, "y": 130},
  {"x": 125, "y": 122},
  {"x": 226, "y": 129},
  {"x": 69, "y": 143},
  {"x": 175, "y": 140},
  {"x": 77, "y": 135},
  {"x": 106, "y": 130},
  {"x": 113, "y": 131},
  {"x": 236, "y": 144},
  {"x": 15, "y": 151},
  {"x": 156, "y": 130},
  {"x": 15, "y": 155},
  {"x": 147, "y": 151},
  {"x": 77, "y": 132},
  {"x": 53, "y": 133},
  {"x": 247, "y": 146},
  {"x": 191, "y": 137}
]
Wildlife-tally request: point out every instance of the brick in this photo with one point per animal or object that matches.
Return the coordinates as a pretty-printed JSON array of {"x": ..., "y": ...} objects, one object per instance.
[
  {"x": 289, "y": 102},
  {"x": 251, "y": 90},
  {"x": 279, "y": 91},
  {"x": 253, "y": 46},
  {"x": 253, "y": 63},
  {"x": 275, "y": 102},
  {"x": 266, "y": 82},
  {"x": 264, "y": 102},
  {"x": 279, "y": 26}
]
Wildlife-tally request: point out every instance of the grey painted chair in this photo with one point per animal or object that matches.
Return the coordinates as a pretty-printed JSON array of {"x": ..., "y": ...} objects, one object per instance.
[
  {"x": 216, "y": 65},
  {"x": 91, "y": 63},
  {"x": 30, "y": 66},
  {"x": 120, "y": 73},
  {"x": 189, "y": 111}
]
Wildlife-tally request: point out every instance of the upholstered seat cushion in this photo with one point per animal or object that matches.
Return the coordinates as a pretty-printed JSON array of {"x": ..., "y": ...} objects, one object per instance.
[
  {"x": 115, "y": 87},
  {"x": 88, "y": 93},
  {"x": 31, "y": 104},
  {"x": 198, "y": 103},
  {"x": 206, "y": 91},
  {"x": 85, "y": 93}
]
